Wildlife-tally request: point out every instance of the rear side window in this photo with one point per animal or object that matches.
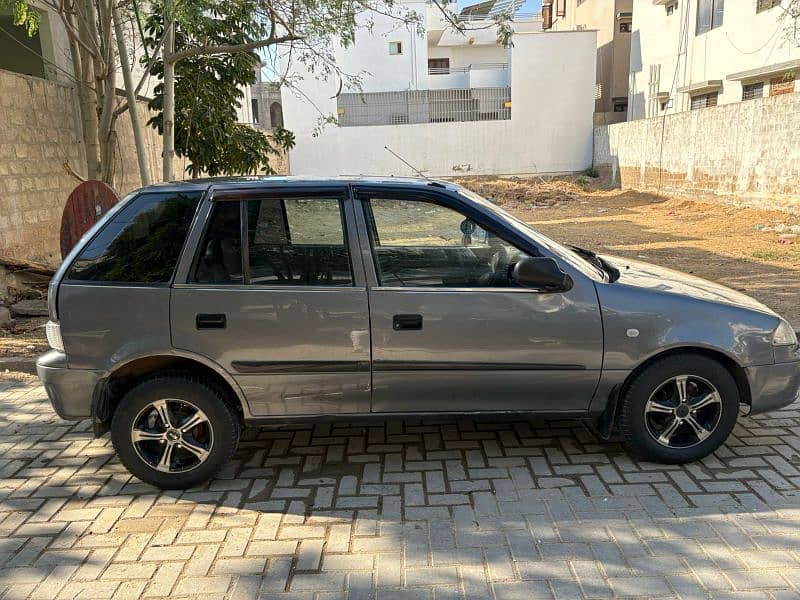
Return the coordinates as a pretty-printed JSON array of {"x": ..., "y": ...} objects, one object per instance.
[
  {"x": 291, "y": 241},
  {"x": 141, "y": 243}
]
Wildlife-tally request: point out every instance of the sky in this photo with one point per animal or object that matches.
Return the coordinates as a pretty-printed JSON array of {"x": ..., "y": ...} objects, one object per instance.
[{"x": 530, "y": 6}]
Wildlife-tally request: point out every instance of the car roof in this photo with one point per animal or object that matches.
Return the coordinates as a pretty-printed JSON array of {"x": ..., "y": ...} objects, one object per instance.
[{"x": 278, "y": 180}]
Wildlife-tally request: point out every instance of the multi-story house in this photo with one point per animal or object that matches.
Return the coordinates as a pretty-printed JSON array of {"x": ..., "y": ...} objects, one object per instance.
[
  {"x": 612, "y": 21},
  {"x": 689, "y": 54},
  {"x": 445, "y": 96}
]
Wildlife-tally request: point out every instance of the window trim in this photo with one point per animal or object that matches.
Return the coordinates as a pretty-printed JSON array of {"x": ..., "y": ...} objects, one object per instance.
[
  {"x": 363, "y": 196},
  {"x": 246, "y": 194}
]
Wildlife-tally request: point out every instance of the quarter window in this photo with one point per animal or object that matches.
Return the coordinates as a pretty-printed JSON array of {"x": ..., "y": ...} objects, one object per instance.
[
  {"x": 291, "y": 241},
  {"x": 141, "y": 243},
  {"x": 420, "y": 243}
]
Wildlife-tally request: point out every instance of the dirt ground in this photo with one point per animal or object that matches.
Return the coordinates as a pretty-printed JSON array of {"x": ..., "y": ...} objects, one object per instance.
[{"x": 753, "y": 250}]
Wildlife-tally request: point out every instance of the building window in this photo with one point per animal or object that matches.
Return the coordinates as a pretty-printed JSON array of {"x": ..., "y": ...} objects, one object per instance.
[
  {"x": 561, "y": 8},
  {"x": 620, "y": 105},
  {"x": 438, "y": 66},
  {"x": 395, "y": 48},
  {"x": 704, "y": 100},
  {"x": 709, "y": 15},
  {"x": 666, "y": 104},
  {"x": 625, "y": 27},
  {"x": 753, "y": 90},
  {"x": 671, "y": 8},
  {"x": 782, "y": 84},
  {"x": 762, "y": 5},
  {"x": 254, "y": 106}
]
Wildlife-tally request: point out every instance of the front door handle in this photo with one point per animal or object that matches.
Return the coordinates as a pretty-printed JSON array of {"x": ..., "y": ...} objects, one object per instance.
[
  {"x": 406, "y": 322},
  {"x": 210, "y": 321}
]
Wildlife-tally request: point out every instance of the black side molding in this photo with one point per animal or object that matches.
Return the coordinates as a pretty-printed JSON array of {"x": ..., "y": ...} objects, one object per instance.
[
  {"x": 301, "y": 367},
  {"x": 397, "y": 365}
]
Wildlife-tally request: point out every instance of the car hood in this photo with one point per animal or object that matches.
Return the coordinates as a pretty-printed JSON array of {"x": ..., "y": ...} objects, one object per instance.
[{"x": 645, "y": 275}]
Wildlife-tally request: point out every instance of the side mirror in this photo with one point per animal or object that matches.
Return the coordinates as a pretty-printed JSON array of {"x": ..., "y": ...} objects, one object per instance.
[{"x": 541, "y": 273}]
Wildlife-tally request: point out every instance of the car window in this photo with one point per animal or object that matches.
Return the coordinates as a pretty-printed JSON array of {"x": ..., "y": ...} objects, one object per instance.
[
  {"x": 220, "y": 259},
  {"x": 141, "y": 243},
  {"x": 416, "y": 242},
  {"x": 291, "y": 241}
]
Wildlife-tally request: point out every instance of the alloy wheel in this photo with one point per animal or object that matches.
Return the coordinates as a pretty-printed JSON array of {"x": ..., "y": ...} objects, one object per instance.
[
  {"x": 683, "y": 411},
  {"x": 172, "y": 436}
]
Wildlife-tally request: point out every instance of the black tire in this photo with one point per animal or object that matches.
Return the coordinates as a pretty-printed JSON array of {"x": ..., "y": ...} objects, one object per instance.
[
  {"x": 220, "y": 430},
  {"x": 639, "y": 428}
]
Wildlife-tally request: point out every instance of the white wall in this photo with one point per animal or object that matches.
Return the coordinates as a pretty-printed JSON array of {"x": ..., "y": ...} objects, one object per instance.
[
  {"x": 746, "y": 40},
  {"x": 550, "y": 129}
]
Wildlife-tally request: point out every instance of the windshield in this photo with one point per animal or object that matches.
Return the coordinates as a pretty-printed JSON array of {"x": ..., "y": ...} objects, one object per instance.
[{"x": 570, "y": 256}]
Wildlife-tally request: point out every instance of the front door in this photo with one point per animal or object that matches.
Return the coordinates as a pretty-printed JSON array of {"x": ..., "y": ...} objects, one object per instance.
[
  {"x": 450, "y": 333},
  {"x": 273, "y": 297}
]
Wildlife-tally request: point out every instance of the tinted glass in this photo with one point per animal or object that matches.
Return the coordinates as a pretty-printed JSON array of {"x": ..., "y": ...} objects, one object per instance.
[
  {"x": 418, "y": 243},
  {"x": 297, "y": 241},
  {"x": 141, "y": 244},
  {"x": 220, "y": 258}
]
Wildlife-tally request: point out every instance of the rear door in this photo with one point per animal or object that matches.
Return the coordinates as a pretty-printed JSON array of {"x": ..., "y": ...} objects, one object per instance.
[
  {"x": 275, "y": 295},
  {"x": 449, "y": 331}
]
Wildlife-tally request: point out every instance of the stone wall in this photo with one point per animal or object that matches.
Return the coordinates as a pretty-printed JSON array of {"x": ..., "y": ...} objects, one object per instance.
[
  {"x": 40, "y": 130},
  {"x": 746, "y": 151}
]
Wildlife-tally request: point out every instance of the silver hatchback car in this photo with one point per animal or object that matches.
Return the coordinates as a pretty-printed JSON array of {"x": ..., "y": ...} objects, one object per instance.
[{"x": 195, "y": 308}]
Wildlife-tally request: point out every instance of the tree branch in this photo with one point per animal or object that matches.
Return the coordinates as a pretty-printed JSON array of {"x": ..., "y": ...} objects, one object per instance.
[{"x": 231, "y": 48}]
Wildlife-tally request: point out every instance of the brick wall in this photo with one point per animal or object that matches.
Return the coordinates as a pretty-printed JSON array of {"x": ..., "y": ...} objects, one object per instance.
[
  {"x": 746, "y": 151},
  {"x": 40, "y": 131}
]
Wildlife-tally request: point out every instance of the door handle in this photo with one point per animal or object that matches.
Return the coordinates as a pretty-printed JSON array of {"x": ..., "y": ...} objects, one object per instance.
[
  {"x": 210, "y": 321},
  {"x": 406, "y": 322}
]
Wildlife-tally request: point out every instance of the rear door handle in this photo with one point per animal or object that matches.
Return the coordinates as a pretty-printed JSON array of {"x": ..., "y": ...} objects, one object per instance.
[
  {"x": 210, "y": 321},
  {"x": 406, "y": 322}
]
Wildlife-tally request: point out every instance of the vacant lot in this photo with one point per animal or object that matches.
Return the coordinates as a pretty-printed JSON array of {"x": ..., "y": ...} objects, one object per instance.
[{"x": 751, "y": 250}]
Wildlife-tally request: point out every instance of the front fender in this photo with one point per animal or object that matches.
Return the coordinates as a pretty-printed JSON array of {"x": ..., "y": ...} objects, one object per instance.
[{"x": 640, "y": 323}]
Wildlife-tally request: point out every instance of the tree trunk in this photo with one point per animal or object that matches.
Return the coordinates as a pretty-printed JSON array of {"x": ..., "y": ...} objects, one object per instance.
[
  {"x": 138, "y": 137},
  {"x": 169, "y": 92},
  {"x": 84, "y": 78}
]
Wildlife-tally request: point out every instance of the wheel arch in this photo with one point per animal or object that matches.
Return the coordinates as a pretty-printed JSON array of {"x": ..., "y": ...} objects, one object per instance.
[
  {"x": 125, "y": 375},
  {"x": 734, "y": 368}
]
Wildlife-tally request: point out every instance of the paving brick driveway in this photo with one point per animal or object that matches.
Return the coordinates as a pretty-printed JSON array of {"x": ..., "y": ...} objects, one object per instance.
[{"x": 400, "y": 509}]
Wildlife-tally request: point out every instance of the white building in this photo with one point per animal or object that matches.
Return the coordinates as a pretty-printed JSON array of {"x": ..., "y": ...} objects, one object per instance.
[
  {"x": 689, "y": 54},
  {"x": 449, "y": 101}
]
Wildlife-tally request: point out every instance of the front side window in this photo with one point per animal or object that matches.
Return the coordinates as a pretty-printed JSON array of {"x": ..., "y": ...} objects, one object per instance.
[
  {"x": 141, "y": 243},
  {"x": 291, "y": 241},
  {"x": 420, "y": 243}
]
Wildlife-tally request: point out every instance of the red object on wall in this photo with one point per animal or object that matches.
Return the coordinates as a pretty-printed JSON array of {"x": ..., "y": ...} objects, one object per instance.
[{"x": 85, "y": 205}]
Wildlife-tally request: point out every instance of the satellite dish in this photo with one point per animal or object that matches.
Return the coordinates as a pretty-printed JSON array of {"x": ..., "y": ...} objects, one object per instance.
[{"x": 85, "y": 205}]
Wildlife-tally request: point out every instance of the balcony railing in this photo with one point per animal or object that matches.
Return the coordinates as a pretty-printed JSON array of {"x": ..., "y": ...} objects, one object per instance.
[
  {"x": 467, "y": 69},
  {"x": 424, "y": 106}
]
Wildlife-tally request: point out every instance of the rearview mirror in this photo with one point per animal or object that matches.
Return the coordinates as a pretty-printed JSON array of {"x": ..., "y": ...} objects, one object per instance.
[{"x": 541, "y": 273}]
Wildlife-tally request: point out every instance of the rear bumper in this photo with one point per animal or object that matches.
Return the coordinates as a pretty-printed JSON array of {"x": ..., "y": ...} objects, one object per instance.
[
  {"x": 774, "y": 386},
  {"x": 70, "y": 390}
]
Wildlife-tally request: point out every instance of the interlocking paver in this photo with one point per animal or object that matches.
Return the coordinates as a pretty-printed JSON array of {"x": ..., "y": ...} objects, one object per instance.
[{"x": 434, "y": 508}]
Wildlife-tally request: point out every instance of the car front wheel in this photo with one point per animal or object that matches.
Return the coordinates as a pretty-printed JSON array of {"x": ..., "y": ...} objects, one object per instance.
[
  {"x": 679, "y": 409},
  {"x": 174, "y": 432}
]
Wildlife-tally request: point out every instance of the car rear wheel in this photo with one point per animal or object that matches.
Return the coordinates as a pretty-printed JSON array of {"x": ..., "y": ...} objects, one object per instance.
[
  {"x": 679, "y": 409},
  {"x": 174, "y": 432}
]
